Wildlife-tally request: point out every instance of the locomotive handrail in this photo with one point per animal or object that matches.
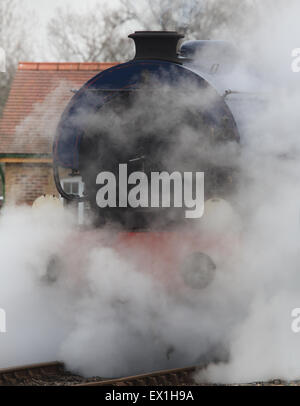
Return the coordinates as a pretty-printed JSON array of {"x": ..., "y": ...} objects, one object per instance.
[
  {"x": 229, "y": 92},
  {"x": 65, "y": 195}
]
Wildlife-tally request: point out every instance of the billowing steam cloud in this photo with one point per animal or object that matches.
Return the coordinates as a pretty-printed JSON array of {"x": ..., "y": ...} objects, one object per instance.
[
  {"x": 264, "y": 346},
  {"x": 103, "y": 315}
]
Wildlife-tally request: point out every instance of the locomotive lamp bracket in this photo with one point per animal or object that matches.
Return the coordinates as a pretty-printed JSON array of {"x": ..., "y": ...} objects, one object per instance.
[{"x": 74, "y": 173}]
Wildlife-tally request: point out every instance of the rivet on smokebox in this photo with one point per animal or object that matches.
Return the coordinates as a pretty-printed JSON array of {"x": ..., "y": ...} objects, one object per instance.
[{"x": 47, "y": 200}]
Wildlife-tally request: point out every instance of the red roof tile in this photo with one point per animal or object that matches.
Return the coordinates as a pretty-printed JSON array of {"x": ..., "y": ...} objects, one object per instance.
[{"x": 38, "y": 96}]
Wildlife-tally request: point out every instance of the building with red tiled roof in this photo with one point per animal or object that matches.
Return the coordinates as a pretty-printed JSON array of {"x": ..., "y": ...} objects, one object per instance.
[{"x": 38, "y": 96}]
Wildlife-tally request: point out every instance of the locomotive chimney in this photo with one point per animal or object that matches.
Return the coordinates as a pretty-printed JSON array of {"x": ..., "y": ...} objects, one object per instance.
[{"x": 160, "y": 45}]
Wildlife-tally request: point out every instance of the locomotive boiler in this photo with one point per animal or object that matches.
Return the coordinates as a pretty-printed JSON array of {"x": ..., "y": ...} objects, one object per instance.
[{"x": 164, "y": 111}]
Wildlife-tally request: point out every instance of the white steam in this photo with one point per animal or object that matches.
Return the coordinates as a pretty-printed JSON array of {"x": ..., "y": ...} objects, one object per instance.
[
  {"x": 34, "y": 318},
  {"x": 264, "y": 346},
  {"x": 105, "y": 316}
]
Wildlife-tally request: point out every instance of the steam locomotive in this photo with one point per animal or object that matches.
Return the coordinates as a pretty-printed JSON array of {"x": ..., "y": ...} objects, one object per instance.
[{"x": 163, "y": 111}]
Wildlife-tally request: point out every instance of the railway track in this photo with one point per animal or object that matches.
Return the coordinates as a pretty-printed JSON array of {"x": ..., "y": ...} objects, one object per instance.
[
  {"x": 16, "y": 375},
  {"x": 44, "y": 374},
  {"x": 55, "y": 374},
  {"x": 172, "y": 377}
]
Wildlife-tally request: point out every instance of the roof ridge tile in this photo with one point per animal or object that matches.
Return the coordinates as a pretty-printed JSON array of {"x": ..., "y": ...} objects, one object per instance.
[{"x": 65, "y": 66}]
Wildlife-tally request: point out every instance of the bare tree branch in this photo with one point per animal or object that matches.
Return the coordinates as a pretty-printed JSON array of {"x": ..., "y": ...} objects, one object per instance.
[
  {"x": 101, "y": 34},
  {"x": 14, "y": 40}
]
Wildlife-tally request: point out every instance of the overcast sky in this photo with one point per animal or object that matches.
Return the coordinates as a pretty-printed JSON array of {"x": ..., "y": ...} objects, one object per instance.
[{"x": 44, "y": 10}]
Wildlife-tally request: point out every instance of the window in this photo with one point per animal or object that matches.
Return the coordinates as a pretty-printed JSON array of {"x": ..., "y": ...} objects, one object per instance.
[{"x": 75, "y": 186}]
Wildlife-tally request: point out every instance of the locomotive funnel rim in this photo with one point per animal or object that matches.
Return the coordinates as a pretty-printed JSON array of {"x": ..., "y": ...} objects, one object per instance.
[{"x": 161, "y": 45}]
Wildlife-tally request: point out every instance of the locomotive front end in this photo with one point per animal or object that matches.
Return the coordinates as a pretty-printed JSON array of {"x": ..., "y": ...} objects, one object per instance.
[{"x": 138, "y": 134}]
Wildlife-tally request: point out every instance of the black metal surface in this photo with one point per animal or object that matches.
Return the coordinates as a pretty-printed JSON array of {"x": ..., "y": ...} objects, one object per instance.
[
  {"x": 147, "y": 142},
  {"x": 160, "y": 45}
]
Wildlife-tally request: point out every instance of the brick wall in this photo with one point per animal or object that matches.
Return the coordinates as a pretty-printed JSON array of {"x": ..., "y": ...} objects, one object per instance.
[{"x": 25, "y": 182}]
